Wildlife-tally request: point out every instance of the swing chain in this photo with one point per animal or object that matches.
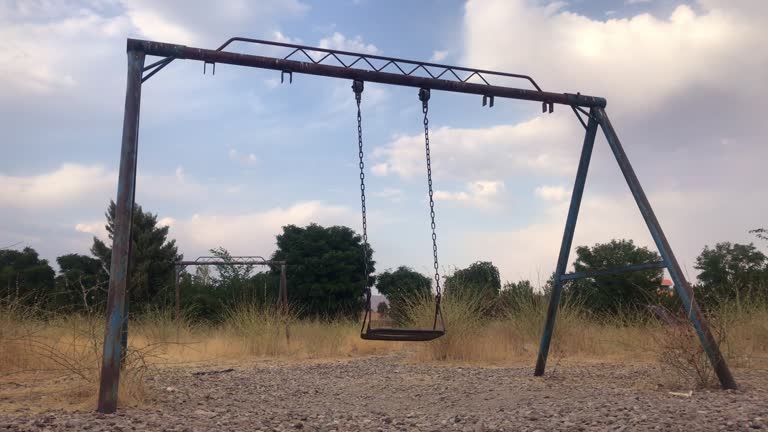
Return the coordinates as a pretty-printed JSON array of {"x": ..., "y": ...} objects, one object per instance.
[
  {"x": 357, "y": 87},
  {"x": 424, "y": 97}
]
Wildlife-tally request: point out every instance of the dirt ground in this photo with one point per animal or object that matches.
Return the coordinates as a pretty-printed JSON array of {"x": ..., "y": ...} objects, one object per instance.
[{"x": 390, "y": 393}]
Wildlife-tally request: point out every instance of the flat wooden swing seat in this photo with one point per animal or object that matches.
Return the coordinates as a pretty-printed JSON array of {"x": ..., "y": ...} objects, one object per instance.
[{"x": 401, "y": 335}]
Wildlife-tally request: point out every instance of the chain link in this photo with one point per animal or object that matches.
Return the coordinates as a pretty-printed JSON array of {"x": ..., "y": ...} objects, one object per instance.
[
  {"x": 357, "y": 87},
  {"x": 424, "y": 96}
]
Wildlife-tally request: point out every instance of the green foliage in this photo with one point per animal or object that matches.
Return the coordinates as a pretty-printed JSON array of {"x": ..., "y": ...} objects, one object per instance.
[
  {"x": 761, "y": 233},
  {"x": 515, "y": 295},
  {"x": 152, "y": 257},
  {"x": 728, "y": 269},
  {"x": 479, "y": 279},
  {"x": 402, "y": 286},
  {"x": 230, "y": 274},
  {"x": 325, "y": 269},
  {"x": 82, "y": 283},
  {"x": 615, "y": 293},
  {"x": 383, "y": 309},
  {"x": 24, "y": 277},
  {"x": 209, "y": 293}
]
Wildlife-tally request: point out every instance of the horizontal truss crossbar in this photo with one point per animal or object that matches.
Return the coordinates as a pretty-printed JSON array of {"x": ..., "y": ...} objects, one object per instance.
[
  {"x": 235, "y": 260},
  {"x": 618, "y": 270},
  {"x": 311, "y": 68}
]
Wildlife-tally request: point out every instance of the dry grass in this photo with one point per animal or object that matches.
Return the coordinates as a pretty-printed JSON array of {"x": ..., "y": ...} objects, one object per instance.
[
  {"x": 49, "y": 361},
  {"x": 54, "y": 361},
  {"x": 512, "y": 337}
]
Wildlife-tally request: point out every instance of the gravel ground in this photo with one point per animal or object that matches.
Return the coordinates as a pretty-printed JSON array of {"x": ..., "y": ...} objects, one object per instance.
[{"x": 388, "y": 394}]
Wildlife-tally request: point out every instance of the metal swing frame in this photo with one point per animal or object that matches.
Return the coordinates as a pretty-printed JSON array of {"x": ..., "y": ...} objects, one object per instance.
[
  {"x": 385, "y": 70},
  {"x": 180, "y": 266}
]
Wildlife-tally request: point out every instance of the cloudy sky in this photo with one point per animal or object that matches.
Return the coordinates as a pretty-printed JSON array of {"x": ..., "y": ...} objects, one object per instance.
[{"x": 226, "y": 160}]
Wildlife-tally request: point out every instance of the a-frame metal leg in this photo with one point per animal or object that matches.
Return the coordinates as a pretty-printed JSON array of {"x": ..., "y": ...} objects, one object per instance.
[
  {"x": 565, "y": 246},
  {"x": 119, "y": 274},
  {"x": 681, "y": 285}
]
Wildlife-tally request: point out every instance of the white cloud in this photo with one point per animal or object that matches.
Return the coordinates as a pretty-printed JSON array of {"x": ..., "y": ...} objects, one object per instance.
[
  {"x": 154, "y": 26},
  {"x": 252, "y": 233},
  {"x": 278, "y": 36},
  {"x": 65, "y": 186},
  {"x": 32, "y": 59},
  {"x": 631, "y": 2},
  {"x": 543, "y": 145},
  {"x": 340, "y": 42},
  {"x": 166, "y": 221},
  {"x": 97, "y": 229},
  {"x": 637, "y": 63},
  {"x": 438, "y": 56},
  {"x": 74, "y": 185},
  {"x": 479, "y": 193},
  {"x": 552, "y": 193}
]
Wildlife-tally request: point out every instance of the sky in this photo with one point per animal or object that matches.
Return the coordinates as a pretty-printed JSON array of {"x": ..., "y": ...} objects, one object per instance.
[{"x": 228, "y": 159}]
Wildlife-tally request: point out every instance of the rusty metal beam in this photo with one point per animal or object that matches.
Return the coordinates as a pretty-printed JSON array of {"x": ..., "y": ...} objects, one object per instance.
[
  {"x": 224, "y": 262},
  {"x": 283, "y": 65},
  {"x": 119, "y": 274}
]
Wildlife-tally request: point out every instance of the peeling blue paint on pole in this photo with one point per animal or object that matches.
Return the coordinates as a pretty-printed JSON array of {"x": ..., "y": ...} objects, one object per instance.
[
  {"x": 565, "y": 246},
  {"x": 121, "y": 246}
]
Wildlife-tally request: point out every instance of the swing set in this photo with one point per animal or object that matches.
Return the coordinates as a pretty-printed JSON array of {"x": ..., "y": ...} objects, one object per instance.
[{"x": 425, "y": 76}]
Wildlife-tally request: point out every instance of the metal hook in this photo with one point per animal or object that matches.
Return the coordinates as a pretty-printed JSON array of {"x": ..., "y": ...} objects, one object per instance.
[
  {"x": 290, "y": 77},
  {"x": 485, "y": 101},
  {"x": 211, "y": 63},
  {"x": 547, "y": 106},
  {"x": 424, "y": 94}
]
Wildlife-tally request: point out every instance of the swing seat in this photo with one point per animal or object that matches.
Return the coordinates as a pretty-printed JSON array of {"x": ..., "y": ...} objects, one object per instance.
[{"x": 401, "y": 335}]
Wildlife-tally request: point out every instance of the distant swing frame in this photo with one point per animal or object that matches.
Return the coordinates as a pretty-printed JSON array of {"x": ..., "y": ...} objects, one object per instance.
[
  {"x": 179, "y": 266},
  {"x": 392, "y": 71}
]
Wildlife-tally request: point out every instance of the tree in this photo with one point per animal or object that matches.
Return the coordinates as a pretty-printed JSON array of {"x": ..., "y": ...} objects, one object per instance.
[
  {"x": 515, "y": 294},
  {"x": 325, "y": 269},
  {"x": 82, "y": 282},
  {"x": 400, "y": 287},
  {"x": 24, "y": 277},
  {"x": 728, "y": 268},
  {"x": 620, "y": 292},
  {"x": 481, "y": 278},
  {"x": 152, "y": 256},
  {"x": 761, "y": 233},
  {"x": 230, "y": 274},
  {"x": 383, "y": 309}
]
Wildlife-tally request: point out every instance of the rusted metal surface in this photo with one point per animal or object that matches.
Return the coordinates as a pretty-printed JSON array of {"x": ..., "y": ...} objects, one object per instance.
[
  {"x": 565, "y": 245},
  {"x": 121, "y": 246},
  {"x": 405, "y": 67},
  {"x": 630, "y": 268},
  {"x": 675, "y": 271},
  {"x": 283, "y": 65}
]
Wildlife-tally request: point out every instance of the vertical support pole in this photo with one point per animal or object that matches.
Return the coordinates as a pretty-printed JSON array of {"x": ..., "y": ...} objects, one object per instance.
[
  {"x": 283, "y": 290},
  {"x": 681, "y": 285},
  {"x": 121, "y": 245},
  {"x": 565, "y": 246},
  {"x": 177, "y": 290},
  {"x": 284, "y": 300}
]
